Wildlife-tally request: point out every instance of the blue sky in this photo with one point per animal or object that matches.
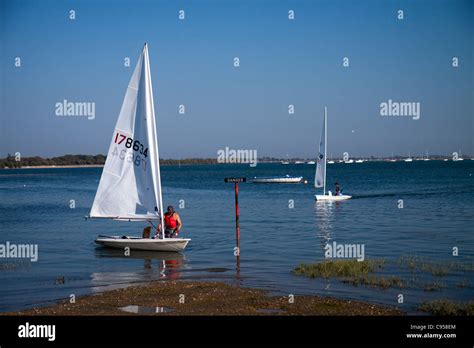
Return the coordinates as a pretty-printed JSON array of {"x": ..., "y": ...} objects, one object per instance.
[{"x": 282, "y": 62}]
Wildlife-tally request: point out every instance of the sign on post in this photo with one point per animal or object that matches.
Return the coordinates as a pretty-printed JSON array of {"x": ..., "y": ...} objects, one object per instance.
[{"x": 235, "y": 180}]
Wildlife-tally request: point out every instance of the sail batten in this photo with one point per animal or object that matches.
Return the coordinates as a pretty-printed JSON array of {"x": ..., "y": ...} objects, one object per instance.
[{"x": 130, "y": 187}]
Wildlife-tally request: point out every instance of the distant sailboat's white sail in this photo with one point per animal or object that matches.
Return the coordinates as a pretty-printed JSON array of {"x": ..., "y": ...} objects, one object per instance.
[
  {"x": 130, "y": 185},
  {"x": 320, "y": 176}
]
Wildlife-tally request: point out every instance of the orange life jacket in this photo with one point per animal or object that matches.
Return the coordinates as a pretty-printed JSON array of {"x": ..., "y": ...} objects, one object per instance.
[{"x": 170, "y": 221}]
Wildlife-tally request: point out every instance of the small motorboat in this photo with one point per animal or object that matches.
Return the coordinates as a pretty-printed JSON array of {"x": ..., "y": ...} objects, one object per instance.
[{"x": 278, "y": 180}]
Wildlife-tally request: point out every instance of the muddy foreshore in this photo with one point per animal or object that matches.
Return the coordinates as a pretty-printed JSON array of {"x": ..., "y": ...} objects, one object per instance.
[{"x": 205, "y": 298}]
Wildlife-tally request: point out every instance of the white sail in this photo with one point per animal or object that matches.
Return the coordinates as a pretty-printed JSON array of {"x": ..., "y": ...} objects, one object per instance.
[
  {"x": 130, "y": 185},
  {"x": 320, "y": 176}
]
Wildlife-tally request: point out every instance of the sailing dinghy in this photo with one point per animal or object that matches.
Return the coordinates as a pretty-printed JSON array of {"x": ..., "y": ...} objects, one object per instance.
[
  {"x": 130, "y": 185},
  {"x": 320, "y": 176}
]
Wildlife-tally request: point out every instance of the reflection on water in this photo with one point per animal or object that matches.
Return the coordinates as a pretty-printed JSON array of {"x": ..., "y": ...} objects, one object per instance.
[
  {"x": 324, "y": 212},
  {"x": 156, "y": 265},
  {"x": 145, "y": 310},
  {"x": 325, "y": 215}
]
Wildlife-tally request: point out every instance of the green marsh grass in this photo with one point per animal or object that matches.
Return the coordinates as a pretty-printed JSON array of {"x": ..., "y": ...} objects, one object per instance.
[{"x": 447, "y": 307}]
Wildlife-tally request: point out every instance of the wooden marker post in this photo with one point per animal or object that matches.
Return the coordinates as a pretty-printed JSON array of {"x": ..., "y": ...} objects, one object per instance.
[{"x": 237, "y": 214}]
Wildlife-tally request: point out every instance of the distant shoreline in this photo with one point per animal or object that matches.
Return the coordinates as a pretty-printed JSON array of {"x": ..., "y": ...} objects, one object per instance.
[
  {"x": 97, "y": 161},
  {"x": 177, "y": 163},
  {"x": 59, "y": 166}
]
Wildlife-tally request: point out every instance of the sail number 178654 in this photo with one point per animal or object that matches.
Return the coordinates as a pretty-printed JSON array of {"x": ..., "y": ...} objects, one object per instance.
[
  {"x": 134, "y": 151},
  {"x": 129, "y": 143}
]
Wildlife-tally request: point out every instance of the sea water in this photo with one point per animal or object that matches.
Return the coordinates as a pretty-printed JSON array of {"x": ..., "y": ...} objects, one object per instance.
[{"x": 399, "y": 211}]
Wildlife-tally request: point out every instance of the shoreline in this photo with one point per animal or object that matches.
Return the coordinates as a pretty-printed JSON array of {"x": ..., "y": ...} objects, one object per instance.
[
  {"x": 177, "y": 298},
  {"x": 170, "y": 164}
]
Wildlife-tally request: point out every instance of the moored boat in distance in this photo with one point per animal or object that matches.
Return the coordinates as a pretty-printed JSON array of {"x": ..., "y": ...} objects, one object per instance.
[
  {"x": 458, "y": 157},
  {"x": 287, "y": 179}
]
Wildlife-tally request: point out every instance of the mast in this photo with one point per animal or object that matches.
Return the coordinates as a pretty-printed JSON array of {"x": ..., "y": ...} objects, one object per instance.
[
  {"x": 153, "y": 125},
  {"x": 325, "y": 145}
]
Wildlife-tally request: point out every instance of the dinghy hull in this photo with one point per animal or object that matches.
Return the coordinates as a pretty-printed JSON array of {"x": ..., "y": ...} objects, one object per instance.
[
  {"x": 329, "y": 198},
  {"x": 137, "y": 243}
]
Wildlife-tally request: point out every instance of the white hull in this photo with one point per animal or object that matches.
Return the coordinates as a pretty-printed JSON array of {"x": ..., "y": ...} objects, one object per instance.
[
  {"x": 331, "y": 197},
  {"x": 138, "y": 243},
  {"x": 282, "y": 180}
]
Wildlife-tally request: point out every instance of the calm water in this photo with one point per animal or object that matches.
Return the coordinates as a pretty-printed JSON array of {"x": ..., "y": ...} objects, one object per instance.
[{"x": 438, "y": 215}]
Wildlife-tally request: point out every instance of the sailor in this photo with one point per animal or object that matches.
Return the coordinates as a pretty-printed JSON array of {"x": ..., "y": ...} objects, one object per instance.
[
  {"x": 173, "y": 223},
  {"x": 338, "y": 189}
]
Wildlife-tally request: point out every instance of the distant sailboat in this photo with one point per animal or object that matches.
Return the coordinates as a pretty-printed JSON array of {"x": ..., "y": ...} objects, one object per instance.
[
  {"x": 427, "y": 158},
  {"x": 130, "y": 185},
  {"x": 459, "y": 157},
  {"x": 409, "y": 159},
  {"x": 320, "y": 175}
]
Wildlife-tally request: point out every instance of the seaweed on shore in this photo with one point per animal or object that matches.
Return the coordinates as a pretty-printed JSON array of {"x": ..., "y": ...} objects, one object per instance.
[
  {"x": 447, "y": 307},
  {"x": 362, "y": 272},
  {"x": 350, "y": 271}
]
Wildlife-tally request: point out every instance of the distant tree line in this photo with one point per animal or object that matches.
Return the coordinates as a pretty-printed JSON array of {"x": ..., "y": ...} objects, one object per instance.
[
  {"x": 66, "y": 160},
  {"x": 79, "y": 160}
]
